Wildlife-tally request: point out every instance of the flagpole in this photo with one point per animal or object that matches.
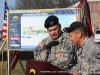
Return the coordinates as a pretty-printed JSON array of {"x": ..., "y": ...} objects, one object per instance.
[
  {"x": 2, "y": 47},
  {"x": 2, "y": 63}
]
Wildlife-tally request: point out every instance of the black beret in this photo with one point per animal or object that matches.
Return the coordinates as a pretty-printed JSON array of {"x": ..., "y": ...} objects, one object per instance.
[
  {"x": 75, "y": 25},
  {"x": 51, "y": 21}
]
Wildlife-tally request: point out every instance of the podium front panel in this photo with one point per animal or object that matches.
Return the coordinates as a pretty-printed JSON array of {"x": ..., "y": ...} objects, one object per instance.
[{"x": 43, "y": 68}]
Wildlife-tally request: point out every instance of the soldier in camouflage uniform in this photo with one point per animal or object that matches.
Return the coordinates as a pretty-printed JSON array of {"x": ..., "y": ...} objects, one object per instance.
[
  {"x": 60, "y": 55},
  {"x": 88, "y": 56}
]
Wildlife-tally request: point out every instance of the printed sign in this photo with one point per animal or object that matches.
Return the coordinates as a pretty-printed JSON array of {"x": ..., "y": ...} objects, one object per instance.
[{"x": 27, "y": 26}]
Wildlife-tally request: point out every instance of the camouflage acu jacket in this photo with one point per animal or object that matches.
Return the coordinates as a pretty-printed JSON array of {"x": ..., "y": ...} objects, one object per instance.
[
  {"x": 64, "y": 46},
  {"x": 88, "y": 58}
]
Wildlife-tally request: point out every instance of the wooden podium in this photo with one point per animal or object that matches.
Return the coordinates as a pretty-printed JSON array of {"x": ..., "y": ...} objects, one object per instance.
[{"x": 43, "y": 68}]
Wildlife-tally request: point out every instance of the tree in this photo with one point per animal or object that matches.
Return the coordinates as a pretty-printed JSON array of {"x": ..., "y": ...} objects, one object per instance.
[{"x": 42, "y": 4}]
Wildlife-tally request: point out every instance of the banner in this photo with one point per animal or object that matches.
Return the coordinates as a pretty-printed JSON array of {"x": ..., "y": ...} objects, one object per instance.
[{"x": 27, "y": 26}]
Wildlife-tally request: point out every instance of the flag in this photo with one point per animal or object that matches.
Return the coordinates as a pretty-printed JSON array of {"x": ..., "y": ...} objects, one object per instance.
[
  {"x": 15, "y": 55},
  {"x": 85, "y": 16},
  {"x": 6, "y": 9}
]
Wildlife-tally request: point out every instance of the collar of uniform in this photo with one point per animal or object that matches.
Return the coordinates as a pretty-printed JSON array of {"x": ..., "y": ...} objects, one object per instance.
[{"x": 84, "y": 42}]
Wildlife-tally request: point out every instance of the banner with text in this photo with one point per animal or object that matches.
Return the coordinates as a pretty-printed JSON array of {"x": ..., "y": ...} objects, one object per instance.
[{"x": 27, "y": 26}]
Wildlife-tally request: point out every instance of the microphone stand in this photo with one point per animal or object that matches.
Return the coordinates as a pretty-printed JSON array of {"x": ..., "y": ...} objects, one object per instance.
[
  {"x": 48, "y": 52},
  {"x": 53, "y": 43}
]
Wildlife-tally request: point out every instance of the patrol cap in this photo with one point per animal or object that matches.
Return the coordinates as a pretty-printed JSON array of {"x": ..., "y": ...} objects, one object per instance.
[
  {"x": 75, "y": 25},
  {"x": 51, "y": 21}
]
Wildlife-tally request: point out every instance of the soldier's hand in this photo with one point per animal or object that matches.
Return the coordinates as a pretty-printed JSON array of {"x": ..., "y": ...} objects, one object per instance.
[
  {"x": 41, "y": 45},
  {"x": 43, "y": 52},
  {"x": 74, "y": 73},
  {"x": 57, "y": 55}
]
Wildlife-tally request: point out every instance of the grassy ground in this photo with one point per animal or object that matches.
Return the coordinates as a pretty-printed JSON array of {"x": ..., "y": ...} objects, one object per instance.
[{"x": 17, "y": 71}]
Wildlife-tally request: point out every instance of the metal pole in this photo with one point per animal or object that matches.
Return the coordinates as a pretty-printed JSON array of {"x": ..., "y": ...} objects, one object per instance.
[
  {"x": 1, "y": 49},
  {"x": 2, "y": 63},
  {"x": 22, "y": 66},
  {"x": 8, "y": 51}
]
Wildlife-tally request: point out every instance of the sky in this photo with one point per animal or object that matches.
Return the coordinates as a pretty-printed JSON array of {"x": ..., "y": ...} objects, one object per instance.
[{"x": 10, "y": 3}]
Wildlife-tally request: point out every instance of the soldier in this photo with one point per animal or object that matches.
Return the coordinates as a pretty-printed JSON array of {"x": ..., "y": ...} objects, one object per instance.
[
  {"x": 88, "y": 56},
  {"x": 56, "y": 48}
]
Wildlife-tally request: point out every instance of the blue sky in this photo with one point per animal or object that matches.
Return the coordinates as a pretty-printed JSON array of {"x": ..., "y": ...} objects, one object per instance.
[{"x": 10, "y": 3}]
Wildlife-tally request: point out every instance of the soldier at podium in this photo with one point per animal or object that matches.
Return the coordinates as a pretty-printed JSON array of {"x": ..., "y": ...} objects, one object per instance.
[{"x": 56, "y": 49}]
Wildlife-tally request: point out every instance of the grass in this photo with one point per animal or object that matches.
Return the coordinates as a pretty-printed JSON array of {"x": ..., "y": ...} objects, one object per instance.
[{"x": 17, "y": 71}]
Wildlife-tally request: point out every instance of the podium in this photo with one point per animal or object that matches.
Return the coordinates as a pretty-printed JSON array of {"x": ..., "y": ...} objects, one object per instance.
[{"x": 43, "y": 68}]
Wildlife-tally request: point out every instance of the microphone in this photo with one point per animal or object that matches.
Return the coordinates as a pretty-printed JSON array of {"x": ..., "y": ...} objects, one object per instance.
[{"x": 53, "y": 43}]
